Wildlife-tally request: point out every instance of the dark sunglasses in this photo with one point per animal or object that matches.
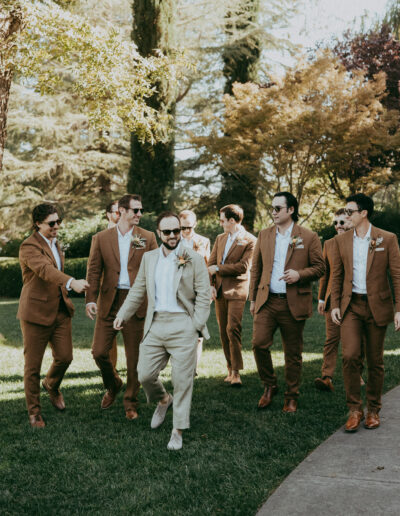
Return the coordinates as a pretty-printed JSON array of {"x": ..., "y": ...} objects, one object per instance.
[
  {"x": 277, "y": 208},
  {"x": 349, "y": 212},
  {"x": 338, "y": 222},
  {"x": 184, "y": 228},
  {"x": 54, "y": 222},
  {"x": 136, "y": 210},
  {"x": 167, "y": 232}
]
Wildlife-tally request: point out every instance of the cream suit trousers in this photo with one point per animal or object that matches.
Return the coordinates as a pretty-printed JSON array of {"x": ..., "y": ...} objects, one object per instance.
[{"x": 170, "y": 334}]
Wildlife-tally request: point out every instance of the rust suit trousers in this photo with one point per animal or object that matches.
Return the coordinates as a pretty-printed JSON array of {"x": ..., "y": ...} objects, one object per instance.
[
  {"x": 104, "y": 334},
  {"x": 275, "y": 314},
  {"x": 229, "y": 314}
]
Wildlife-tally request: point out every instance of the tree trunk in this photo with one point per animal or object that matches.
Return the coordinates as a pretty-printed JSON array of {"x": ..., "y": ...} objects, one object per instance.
[
  {"x": 151, "y": 172},
  {"x": 240, "y": 65}
]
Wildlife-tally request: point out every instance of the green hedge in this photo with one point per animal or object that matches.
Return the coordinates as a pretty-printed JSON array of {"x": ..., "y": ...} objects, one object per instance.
[{"x": 11, "y": 278}]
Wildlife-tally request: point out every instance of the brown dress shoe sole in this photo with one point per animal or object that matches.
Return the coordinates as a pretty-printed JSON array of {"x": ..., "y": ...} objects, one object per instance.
[
  {"x": 321, "y": 385},
  {"x": 61, "y": 406},
  {"x": 131, "y": 415}
]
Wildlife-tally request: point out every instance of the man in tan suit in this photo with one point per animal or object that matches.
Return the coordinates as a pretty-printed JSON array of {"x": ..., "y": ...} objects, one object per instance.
[
  {"x": 177, "y": 285},
  {"x": 45, "y": 310},
  {"x": 362, "y": 304},
  {"x": 287, "y": 258},
  {"x": 114, "y": 261},
  {"x": 229, "y": 267}
]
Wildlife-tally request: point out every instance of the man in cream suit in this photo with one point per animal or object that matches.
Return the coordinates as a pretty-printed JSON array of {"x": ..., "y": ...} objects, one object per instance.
[
  {"x": 114, "y": 261},
  {"x": 176, "y": 281},
  {"x": 45, "y": 310},
  {"x": 287, "y": 258},
  {"x": 362, "y": 305}
]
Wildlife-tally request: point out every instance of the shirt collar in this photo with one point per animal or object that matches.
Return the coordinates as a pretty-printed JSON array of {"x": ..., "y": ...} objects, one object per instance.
[
  {"x": 49, "y": 242},
  {"x": 126, "y": 234},
  {"x": 174, "y": 252},
  {"x": 234, "y": 235},
  {"x": 287, "y": 233},
  {"x": 367, "y": 236}
]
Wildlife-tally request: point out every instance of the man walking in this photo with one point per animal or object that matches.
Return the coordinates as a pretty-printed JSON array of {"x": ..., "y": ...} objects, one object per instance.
[
  {"x": 114, "y": 261},
  {"x": 287, "y": 258},
  {"x": 229, "y": 266},
  {"x": 178, "y": 289},
  {"x": 362, "y": 304},
  {"x": 45, "y": 310}
]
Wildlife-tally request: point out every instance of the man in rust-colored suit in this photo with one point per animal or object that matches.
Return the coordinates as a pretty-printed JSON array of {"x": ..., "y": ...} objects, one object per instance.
[
  {"x": 287, "y": 258},
  {"x": 229, "y": 267},
  {"x": 45, "y": 310},
  {"x": 114, "y": 261},
  {"x": 362, "y": 305}
]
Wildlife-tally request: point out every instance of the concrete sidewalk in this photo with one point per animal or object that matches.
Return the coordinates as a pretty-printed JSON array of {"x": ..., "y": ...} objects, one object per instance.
[{"x": 348, "y": 474}]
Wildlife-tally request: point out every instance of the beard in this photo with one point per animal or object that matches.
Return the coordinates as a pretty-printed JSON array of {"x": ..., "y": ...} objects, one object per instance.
[{"x": 172, "y": 247}]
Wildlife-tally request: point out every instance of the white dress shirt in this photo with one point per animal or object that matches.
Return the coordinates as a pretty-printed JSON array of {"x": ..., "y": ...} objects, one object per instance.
[
  {"x": 229, "y": 242},
  {"x": 124, "y": 245},
  {"x": 187, "y": 243},
  {"x": 360, "y": 256},
  {"x": 166, "y": 269},
  {"x": 282, "y": 241},
  {"x": 56, "y": 254}
]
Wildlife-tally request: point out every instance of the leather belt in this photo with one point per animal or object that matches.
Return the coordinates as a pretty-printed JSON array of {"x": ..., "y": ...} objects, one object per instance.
[
  {"x": 279, "y": 295},
  {"x": 364, "y": 297}
]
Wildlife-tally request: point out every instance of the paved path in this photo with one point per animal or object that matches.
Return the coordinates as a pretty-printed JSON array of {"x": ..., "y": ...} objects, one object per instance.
[{"x": 348, "y": 474}]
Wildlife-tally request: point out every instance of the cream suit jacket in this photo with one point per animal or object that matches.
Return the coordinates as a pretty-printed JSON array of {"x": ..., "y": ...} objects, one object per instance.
[{"x": 191, "y": 285}]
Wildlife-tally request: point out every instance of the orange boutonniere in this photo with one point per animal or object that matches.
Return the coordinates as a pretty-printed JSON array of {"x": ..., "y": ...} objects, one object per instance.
[
  {"x": 138, "y": 242},
  {"x": 183, "y": 259},
  {"x": 373, "y": 244},
  {"x": 296, "y": 242}
]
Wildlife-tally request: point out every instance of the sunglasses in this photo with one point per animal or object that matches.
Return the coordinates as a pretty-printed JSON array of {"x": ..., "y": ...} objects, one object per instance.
[
  {"x": 54, "y": 222},
  {"x": 167, "y": 232},
  {"x": 349, "y": 212},
  {"x": 184, "y": 228},
  {"x": 338, "y": 222},
  {"x": 136, "y": 210},
  {"x": 277, "y": 209}
]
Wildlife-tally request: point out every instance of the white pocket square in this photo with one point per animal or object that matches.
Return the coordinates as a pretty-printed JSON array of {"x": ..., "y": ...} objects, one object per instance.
[
  {"x": 299, "y": 247},
  {"x": 380, "y": 249}
]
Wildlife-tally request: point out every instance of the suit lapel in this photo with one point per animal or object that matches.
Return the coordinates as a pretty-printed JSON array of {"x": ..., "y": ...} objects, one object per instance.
[
  {"x": 371, "y": 254},
  {"x": 153, "y": 259},
  {"x": 61, "y": 255},
  {"x": 295, "y": 232},
  {"x": 114, "y": 243},
  {"x": 135, "y": 231},
  {"x": 178, "y": 274},
  {"x": 221, "y": 248},
  {"x": 45, "y": 247},
  {"x": 350, "y": 249}
]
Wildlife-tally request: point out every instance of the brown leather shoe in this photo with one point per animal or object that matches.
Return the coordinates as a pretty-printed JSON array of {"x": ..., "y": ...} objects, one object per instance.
[
  {"x": 109, "y": 396},
  {"x": 354, "y": 421},
  {"x": 236, "y": 380},
  {"x": 290, "y": 406},
  {"x": 36, "y": 421},
  {"x": 131, "y": 414},
  {"x": 228, "y": 379},
  {"x": 56, "y": 398},
  {"x": 266, "y": 398},
  {"x": 372, "y": 420},
  {"x": 324, "y": 384}
]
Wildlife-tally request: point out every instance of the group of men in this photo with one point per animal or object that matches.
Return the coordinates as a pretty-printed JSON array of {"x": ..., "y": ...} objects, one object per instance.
[{"x": 159, "y": 298}]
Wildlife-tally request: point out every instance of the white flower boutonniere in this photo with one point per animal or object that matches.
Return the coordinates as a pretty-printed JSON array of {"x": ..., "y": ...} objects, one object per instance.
[
  {"x": 138, "y": 242},
  {"x": 296, "y": 242},
  {"x": 183, "y": 259},
  {"x": 374, "y": 243},
  {"x": 64, "y": 248}
]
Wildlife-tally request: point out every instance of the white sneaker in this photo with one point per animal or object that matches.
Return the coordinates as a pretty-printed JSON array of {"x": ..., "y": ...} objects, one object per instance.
[
  {"x": 160, "y": 413},
  {"x": 175, "y": 443}
]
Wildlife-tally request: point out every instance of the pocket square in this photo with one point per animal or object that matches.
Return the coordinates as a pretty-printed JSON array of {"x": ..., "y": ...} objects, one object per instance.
[
  {"x": 380, "y": 249},
  {"x": 299, "y": 247}
]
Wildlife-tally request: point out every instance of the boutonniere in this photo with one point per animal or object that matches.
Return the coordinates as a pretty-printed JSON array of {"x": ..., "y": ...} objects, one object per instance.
[
  {"x": 198, "y": 245},
  {"x": 373, "y": 244},
  {"x": 183, "y": 259},
  {"x": 240, "y": 242},
  {"x": 138, "y": 242},
  {"x": 64, "y": 248},
  {"x": 296, "y": 242}
]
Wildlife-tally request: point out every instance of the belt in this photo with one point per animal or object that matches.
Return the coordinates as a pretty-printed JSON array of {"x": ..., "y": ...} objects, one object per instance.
[
  {"x": 279, "y": 295},
  {"x": 364, "y": 297}
]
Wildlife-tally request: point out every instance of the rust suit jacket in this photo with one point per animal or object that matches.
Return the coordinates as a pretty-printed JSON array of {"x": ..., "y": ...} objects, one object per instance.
[
  {"x": 304, "y": 256},
  {"x": 43, "y": 283},
  {"x": 104, "y": 267},
  {"x": 202, "y": 246},
  {"x": 382, "y": 257},
  {"x": 233, "y": 275},
  {"x": 325, "y": 283}
]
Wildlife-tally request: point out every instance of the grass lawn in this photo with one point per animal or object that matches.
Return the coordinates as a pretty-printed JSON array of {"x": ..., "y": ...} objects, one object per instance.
[{"x": 91, "y": 462}]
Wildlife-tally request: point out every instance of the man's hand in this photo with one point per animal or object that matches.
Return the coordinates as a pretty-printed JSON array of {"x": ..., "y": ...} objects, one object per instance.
[
  {"x": 212, "y": 269},
  {"x": 397, "y": 321},
  {"x": 336, "y": 317},
  {"x": 252, "y": 307},
  {"x": 213, "y": 294},
  {"x": 290, "y": 276},
  {"x": 118, "y": 323},
  {"x": 79, "y": 285},
  {"x": 321, "y": 307},
  {"x": 91, "y": 310}
]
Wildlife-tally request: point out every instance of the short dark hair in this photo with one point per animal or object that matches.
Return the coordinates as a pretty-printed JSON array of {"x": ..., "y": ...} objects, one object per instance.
[
  {"x": 363, "y": 202},
  {"x": 41, "y": 212},
  {"x": 233, "y": 211},
  {"x": 110, "y": 205},
  {"x": 291, "y": 202},
  {"x": 340, "y": 211},
  {"x": 126, "y": 199},
  {"x": 165, "y": 215}
]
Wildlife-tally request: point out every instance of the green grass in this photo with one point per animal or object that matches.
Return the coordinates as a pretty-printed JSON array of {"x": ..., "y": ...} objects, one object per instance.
[{"x": 91, "y": 462}]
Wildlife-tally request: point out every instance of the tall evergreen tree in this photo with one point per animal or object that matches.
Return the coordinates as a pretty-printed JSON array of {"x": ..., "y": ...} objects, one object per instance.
[{"x": 151, "y": 172}]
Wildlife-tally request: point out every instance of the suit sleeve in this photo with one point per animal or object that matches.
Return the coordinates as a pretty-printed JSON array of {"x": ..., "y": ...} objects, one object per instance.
[
  {"x": 256, "y": 270},
  {"x": 32, "y": 256},
  {"x": 323, "y": 282},
  {"x": 136, "y": 294},
  {"x": 394, "y": 267},
  {"x": 240, "y": 267},
  {"x": 316, "y": 261},
  {"x": 94, "y": 271},
  {"x": 337, "y": 276},
  {"x": 202, "y": 289}
]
